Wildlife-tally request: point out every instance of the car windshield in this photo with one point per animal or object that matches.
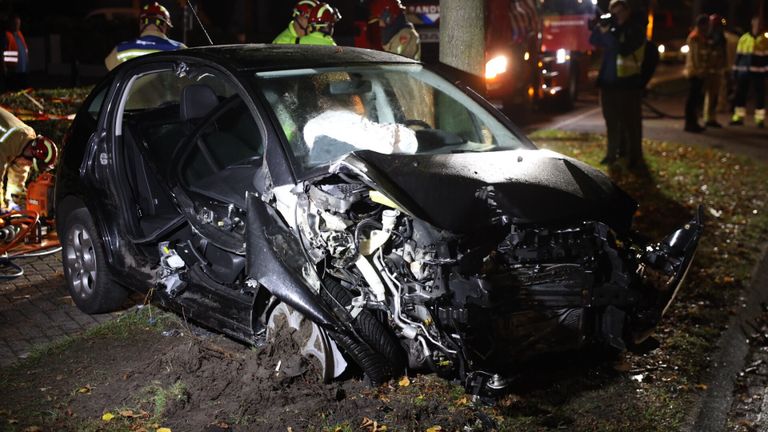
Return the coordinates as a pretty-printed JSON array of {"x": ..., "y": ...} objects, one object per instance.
[{"x": 405, "y": 109}]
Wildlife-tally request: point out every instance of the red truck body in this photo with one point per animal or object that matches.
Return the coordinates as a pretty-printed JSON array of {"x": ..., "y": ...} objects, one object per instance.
[{"x": 543, "y": 45}]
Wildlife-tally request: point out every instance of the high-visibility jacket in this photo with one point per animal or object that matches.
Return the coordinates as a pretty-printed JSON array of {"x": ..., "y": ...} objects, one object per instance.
[
  {"x": 14, "y": 136},
  {"x": 11, "y": 53},
  {"x": 287, "y": 36},
  {"x": 405, "y": 43},
  {"x": 317, "y": 38},
  {"x": 149, "y": 41},
  {"x": 751, "y": 55}
]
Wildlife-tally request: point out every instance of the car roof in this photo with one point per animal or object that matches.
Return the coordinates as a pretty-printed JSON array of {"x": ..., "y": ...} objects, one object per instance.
[{"x": 266, "y": 57}]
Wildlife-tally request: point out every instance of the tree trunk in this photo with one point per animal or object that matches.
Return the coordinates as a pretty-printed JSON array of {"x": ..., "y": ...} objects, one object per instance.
[{"x": 462, "y": 34}]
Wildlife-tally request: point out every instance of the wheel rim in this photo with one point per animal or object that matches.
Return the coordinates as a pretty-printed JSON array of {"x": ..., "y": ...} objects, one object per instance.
[
  {"x": 314, "y": 343},
  {"x": 80, "y": 260}
]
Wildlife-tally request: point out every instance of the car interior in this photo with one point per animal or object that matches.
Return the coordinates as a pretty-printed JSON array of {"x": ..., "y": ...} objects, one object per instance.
[{"x": 204, "y": 139}]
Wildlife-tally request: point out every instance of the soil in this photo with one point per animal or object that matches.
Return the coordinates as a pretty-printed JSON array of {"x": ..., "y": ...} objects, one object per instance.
[{"x": 219, "y": 385}]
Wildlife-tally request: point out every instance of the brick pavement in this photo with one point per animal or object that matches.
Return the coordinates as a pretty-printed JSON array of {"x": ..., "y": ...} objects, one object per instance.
[{"x": 36, "y": 309}]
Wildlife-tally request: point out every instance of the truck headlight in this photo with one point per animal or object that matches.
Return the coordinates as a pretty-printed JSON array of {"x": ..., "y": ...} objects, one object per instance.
[
  {"x": 662, "y": 48},
  {"x": 560, "y": 56},
  {"x": 496, "y": 66},
  {"x": 685, "y": 49}
]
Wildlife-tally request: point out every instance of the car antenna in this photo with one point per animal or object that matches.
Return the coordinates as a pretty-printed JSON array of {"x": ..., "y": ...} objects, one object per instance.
[{"x": 194, "y": 12}]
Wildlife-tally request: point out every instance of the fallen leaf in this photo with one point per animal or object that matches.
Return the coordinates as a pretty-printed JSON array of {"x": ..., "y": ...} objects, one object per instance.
[
  {"x": 163, "y": 429},
  {"x": 404, "y": 382},
  {"x": 462, "y": 401},
  {"x": 85, "y": 389},
  {"x": 701, "y": 386},
  {"x": 107, "y": 416},
  {"x": 128, "y": 413},
  {"x": 33, "y": 429},
  {"x": 435, "y": 429}
]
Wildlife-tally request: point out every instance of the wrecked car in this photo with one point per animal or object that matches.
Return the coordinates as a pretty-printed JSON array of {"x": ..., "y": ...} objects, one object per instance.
[{"x": 393, "y": 220}]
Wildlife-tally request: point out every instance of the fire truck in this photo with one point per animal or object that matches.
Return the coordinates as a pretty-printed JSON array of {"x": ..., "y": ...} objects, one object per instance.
[{"x": 536, "y": 50}]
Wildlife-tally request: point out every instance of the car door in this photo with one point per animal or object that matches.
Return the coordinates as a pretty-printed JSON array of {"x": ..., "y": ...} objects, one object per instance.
[{"x": 187, "y": 148}]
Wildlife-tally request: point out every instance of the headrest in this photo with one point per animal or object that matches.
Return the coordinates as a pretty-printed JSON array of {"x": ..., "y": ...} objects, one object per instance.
[{"x": 197, "y": 100}]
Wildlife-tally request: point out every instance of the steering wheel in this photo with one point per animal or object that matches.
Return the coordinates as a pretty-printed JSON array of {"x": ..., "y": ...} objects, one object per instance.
[{"x": 417, "y": 122}]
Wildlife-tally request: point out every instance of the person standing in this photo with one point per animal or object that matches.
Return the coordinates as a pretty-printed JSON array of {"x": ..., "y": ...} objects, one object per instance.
[
  {"x": 397, "y": 35},
  {"x": 322, "y": 19},
  {"x": 750, "y": 70},
  {"x": 299, "y": 25},
  {"x": 714, "y": 69},
  {"x": 16, "y": 56},
  {"x": 20, "y": 149},
  {"x": 154, "y": 23},
  {"x": 620, "y": 82},
  {"x": 696, "y": 61}
]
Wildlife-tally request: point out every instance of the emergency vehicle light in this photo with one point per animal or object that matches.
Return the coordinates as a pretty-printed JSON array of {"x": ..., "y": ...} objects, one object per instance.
[{"x": 496, "y": 66}]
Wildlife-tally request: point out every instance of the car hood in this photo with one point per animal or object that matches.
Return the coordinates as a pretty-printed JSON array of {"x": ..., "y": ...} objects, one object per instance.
[{"x": 463, "y": 192}]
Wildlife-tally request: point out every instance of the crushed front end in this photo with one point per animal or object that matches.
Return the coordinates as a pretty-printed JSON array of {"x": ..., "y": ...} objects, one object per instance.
[{"x": 477, "y": 302}]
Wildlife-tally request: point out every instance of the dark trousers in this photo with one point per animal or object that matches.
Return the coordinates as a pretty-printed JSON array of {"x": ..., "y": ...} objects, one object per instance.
[
  {"x": 694, "y": 101},
  {"x": 743, "y": 83},
  {"x": 622, "y": 110}
]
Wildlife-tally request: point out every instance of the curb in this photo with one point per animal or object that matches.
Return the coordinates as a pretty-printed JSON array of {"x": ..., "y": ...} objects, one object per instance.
[{"x": 710, "y": 414}]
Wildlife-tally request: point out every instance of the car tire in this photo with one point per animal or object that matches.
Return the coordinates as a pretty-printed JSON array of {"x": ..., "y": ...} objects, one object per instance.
[
  {"x": 85, "y": 268},
  {"x": 379, "y": 354}
]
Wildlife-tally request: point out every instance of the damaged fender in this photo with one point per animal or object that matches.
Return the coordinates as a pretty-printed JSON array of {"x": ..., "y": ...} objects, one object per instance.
[{"x": 275, "y": 260}]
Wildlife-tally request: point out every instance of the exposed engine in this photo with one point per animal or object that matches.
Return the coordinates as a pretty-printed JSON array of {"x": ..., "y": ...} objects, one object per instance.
[{"x": 472, "y": 302}]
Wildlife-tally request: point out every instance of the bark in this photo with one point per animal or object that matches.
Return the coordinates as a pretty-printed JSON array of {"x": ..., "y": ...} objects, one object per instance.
[{"x": 462, "y": 34}]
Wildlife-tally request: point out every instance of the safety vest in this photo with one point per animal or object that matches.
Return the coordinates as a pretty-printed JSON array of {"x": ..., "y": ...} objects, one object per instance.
[
  {"x": 11, "y": 53},
  {"x": 631, "y": 64},
  {"x": 148, "y": 42},
  {"x": 288, "y": 36},
  {"x": 751, "y": 54},
  {"x": 317, "y": 38}
]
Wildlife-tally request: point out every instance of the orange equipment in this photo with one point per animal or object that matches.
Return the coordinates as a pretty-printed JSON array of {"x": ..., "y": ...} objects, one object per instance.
[{"x": 40, "y": 195}]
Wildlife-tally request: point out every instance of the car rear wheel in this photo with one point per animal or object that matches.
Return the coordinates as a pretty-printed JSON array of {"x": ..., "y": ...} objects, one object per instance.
[{"x": 85, "y": 269}]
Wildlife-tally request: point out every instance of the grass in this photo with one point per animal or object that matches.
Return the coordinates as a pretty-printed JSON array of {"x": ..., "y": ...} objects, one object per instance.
[{"x": 733, "y": 191}]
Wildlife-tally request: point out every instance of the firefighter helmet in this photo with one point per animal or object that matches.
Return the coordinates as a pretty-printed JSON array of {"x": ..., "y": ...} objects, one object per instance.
[
  {"x": 44, "y": 152},
  {"x": 716, "y": 20},
  {"x": 385, "y": 11},
  {"x": 153, "y": 12},
  {"x": 303, "y": 8},
  {"x": 323, "y": 17}
]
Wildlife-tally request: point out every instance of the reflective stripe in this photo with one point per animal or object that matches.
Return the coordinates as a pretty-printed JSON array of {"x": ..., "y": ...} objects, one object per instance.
[
  {"x": 7, "y": 134},
  {"x": 133, "y": 53},
  {"x": 739, "y": 113},
  {"x": 760, "y": 115},
  {"x": 11, "y": 56}
]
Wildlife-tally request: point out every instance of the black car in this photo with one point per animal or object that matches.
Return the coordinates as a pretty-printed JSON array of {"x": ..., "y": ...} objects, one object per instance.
[{"x": 392, "y": 218}]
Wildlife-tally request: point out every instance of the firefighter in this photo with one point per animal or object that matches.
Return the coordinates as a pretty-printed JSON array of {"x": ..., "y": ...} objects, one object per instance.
[
  {"x": 696, "y": 62},
  {"x": 154, "y": 22},
  {"x": 299, "y": 25},
  {"x": 322, "y": 19},
  {"x": 715, "y": 69},
  {"x": 20, "y": 149},
  {"x": 621, "y": 83},
  {"x": 397, "y": 35},
  {"x": 16, "y": 55},
  {"x": 750, "y": 70}
]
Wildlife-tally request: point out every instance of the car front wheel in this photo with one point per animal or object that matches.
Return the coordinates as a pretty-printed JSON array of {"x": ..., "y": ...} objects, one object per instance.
[{"x": 85, "y": 269}]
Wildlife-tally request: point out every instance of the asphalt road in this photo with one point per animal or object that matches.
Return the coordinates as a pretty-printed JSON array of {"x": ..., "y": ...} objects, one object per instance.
[{"x": 663, "y": 120}]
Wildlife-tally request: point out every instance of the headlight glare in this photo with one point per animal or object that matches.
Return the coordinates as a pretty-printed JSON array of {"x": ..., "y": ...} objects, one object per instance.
[{"x": 496, "y": 66}]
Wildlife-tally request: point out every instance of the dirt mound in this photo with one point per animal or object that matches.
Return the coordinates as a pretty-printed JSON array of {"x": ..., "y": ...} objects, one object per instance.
[{"x": 190, "y": 380}]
